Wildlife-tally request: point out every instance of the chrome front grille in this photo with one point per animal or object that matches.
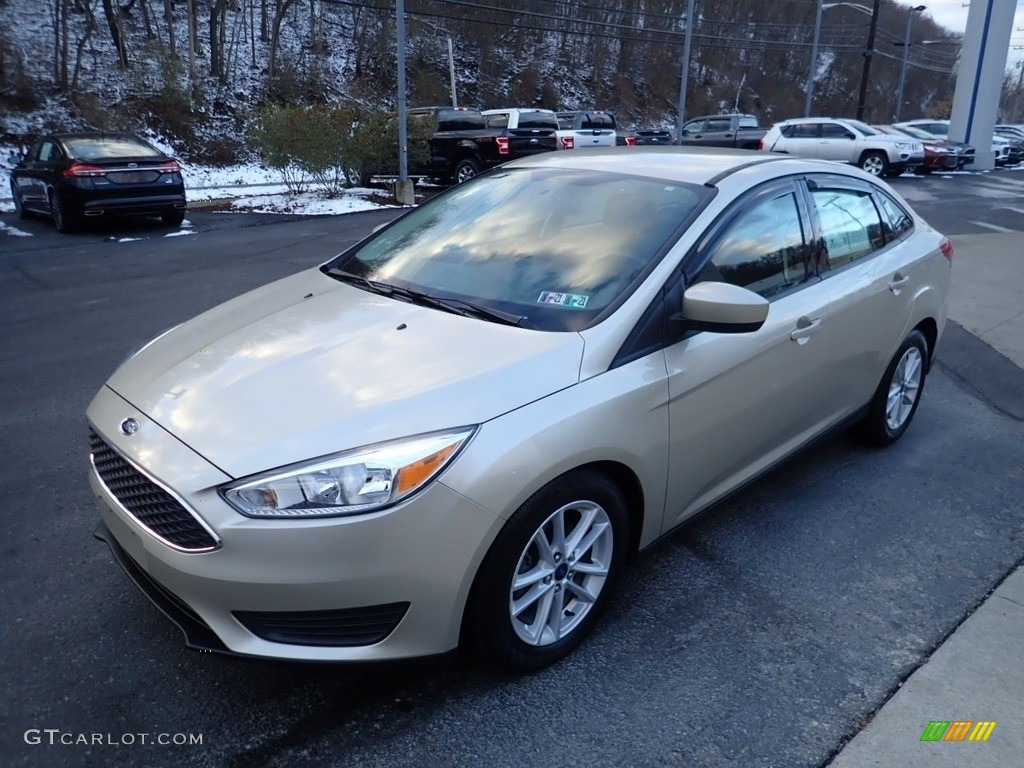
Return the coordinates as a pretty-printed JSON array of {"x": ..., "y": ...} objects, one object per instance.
[{"x": 152, "y": 506}]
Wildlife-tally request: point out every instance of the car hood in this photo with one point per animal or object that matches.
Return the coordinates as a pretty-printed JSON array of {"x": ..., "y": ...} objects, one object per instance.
[{"x": 308, "y": 366}]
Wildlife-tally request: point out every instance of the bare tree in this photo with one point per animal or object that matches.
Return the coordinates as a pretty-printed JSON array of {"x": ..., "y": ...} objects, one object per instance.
[
  {"x": 275, "y": 34},
  {"x": 116, "y": 33},
  {"x": 169, "y": 18}
]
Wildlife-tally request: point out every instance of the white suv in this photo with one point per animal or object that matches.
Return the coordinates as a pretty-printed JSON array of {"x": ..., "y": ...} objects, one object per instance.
[{"x": 846, "y": 141}]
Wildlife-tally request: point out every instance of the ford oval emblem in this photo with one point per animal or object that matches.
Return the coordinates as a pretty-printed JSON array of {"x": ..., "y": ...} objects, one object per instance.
[
  {"x": 133, "y": 165},
  {"x": 129, "y": 427}
]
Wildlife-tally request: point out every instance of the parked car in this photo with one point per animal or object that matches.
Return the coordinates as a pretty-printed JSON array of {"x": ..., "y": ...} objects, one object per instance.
[
  {"x": 462, "y": 427},
  {"x": 647, "y": 137},
  {"x": 461, "y": 143},
  {"x": 846, "y": 141},
  {"x": 963, "y": 150},
  {"x": 74, "y": 176},
  {"x": 938, "y": 156},
  {"x": 1001, "y": 148},
  {"x": 529, "y": 130},
  {"x": 586, "y": 129},
  {"x": 739, "y": 131}
]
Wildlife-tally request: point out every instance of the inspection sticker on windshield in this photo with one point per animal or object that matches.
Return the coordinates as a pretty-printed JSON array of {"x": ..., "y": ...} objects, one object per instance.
[{"x": 571, "y": 300}]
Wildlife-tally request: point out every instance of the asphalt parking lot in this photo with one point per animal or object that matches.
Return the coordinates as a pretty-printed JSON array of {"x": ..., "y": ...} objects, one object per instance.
[{"x": 767, "y": 633}]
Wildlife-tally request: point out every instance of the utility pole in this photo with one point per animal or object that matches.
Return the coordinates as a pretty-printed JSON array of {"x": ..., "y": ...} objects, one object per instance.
[
  {"x": 686, "y": 69},
  {"x": 868, "y": 54},
  {"x": 451, "y": 73},
  {"x": 906, "y": 53},
  {"x": 403, "y": 188},
  {"x": 814, "y": 61}
]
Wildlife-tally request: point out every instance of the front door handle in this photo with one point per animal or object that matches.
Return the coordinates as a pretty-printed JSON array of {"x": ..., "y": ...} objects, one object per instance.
[
  {"x": 805, "y": 328},
  {"x": 898, "y": 281}
]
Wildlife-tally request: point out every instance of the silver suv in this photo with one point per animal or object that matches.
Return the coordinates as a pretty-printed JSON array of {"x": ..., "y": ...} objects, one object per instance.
[{"x": 846, "y": 141}]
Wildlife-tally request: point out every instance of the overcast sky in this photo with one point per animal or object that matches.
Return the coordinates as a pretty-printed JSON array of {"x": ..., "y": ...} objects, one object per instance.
[{"x": 952, "y": 14}]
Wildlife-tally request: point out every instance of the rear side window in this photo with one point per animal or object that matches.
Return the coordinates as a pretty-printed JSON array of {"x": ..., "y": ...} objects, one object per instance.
[
  {"x": 801, "y": 131},
  {"x": 48, "y": 152},
  {"x": 496, "y": 121},
  {"x": 456, "y": 120},
  {"x": 763, "y": 249},
  {"x": 543, "y": 120},
  {"x": 898, "y": 220},
  {"x": 850, "y": 225}
]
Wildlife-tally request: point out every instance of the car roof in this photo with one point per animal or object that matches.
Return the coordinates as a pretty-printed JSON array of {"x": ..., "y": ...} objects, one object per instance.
[
  {"x": 694, "y": 165},
  {"x": 95, "y": 135}
]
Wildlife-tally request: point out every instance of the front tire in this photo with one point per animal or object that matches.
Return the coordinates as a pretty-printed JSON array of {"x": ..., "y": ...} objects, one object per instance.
[
  {"x": 875, "y": 163},
  {"x": 898, "y": 394},
  {"x": 547, "y": 577},
  {"x": 466, "y": 169}
]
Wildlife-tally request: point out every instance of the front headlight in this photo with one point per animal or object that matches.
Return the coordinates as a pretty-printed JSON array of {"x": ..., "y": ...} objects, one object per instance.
[
  {"x": 904, "y": 146},
  {"x": 358, "y": 481}
]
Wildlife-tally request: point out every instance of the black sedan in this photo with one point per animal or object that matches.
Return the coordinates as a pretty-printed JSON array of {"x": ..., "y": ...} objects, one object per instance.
[{"x": 72, "y": 176}]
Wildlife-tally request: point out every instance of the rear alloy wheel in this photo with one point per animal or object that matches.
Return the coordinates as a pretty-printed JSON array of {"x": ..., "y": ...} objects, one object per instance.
[
  {"x": 897, "y": 397},
  {"x": 172, "y": 218},
  {"x": 875, "y": 163},
  {"x": 466, "y": 169},
  {"x": 63, "y": 220},
  {"x": 548, "y": 575}
]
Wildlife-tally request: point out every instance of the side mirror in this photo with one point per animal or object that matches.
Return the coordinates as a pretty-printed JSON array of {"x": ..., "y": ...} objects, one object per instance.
[{"x": 723, "y": 308}]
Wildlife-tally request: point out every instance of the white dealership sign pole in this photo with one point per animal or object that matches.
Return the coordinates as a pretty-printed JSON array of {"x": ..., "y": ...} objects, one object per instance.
[{"x": 979, "y": 82}]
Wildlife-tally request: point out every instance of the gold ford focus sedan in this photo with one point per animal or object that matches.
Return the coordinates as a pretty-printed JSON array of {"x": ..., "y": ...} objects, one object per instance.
[{"x": 459, "y": 430}]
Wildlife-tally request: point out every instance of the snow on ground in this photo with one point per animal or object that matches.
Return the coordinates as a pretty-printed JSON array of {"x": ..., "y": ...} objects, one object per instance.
[{"x": 13, "y": 231}]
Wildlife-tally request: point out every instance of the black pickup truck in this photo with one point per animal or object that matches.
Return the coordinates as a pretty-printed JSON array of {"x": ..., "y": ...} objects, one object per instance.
[
  {"x": 739, "y": 131},
  {"x": 462, "y": 145}
]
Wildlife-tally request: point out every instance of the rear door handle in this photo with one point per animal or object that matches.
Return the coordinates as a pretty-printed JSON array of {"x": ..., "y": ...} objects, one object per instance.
[
  {"x": 898, "y": 281},
  {"x": 805, "y": 328}
]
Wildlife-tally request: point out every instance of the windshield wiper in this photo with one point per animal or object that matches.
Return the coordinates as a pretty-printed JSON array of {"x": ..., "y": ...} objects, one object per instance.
[
  {"x": 455, "y": 306},
  {"x": 373, "y": 286}
]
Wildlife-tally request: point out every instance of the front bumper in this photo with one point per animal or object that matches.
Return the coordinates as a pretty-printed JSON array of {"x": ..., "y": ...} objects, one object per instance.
[{"x": 420, "y": 555}]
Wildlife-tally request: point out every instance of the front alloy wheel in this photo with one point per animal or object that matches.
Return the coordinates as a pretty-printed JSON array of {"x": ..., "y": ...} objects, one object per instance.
[
  {"x": 548, "y": 574},
  {"x": 875, "y": 163},
  {"x": 561, "y": 573}
]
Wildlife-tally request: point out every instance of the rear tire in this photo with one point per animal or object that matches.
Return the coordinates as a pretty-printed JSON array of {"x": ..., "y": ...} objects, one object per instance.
[
  {"x": 875, "y": 163},
  {"x": 172, "y": 218},
  {"x": 898, "y": 395},
  {"x": 64, "y": 221},
  {"x": 548, "y": 574},
  {"x": 466, "y": 169}
]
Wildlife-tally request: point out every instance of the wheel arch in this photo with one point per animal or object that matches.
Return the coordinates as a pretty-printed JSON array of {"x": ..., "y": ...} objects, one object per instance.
[{"x": 930, "y": 329}]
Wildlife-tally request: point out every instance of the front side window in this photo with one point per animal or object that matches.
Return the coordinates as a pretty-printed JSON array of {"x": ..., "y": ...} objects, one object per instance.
[
  {"x": 763, "y": 250},
  {"x": 693, "y": 127},
  {"x": 835, "y": 131},
  {"x": 556, "y": 246},
  {"x": 850, "y": 224},
  {"x": 719, "y": 124}
]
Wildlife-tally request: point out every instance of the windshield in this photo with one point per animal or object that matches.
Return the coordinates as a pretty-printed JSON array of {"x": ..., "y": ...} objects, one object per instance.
[
  {"x": 554, "y": 246},
  {"x": 864, "y": 128}
]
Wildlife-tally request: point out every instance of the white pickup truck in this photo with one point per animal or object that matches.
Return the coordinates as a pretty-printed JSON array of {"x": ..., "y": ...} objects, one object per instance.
[{"x": 586, "y": 128}]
